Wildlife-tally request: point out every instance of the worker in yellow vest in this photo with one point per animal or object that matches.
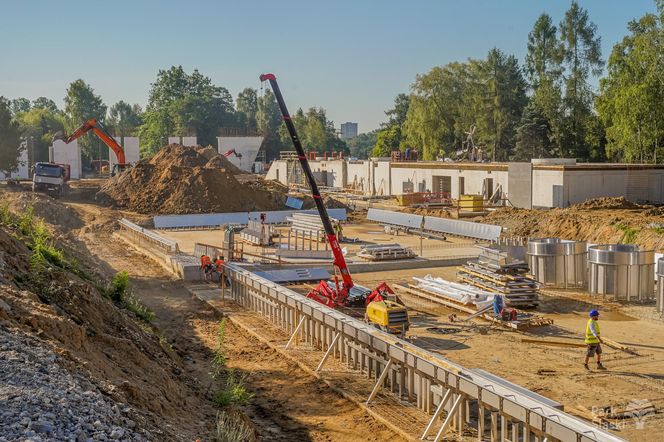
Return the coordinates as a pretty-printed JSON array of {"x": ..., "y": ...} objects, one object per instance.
[{"x": 593, "y": 340}]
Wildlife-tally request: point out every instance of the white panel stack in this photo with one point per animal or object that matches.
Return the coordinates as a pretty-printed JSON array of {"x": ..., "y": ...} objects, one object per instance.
[
  {"x": 131, "y": 148},
  {"x": 23, "y": 168},
  {"x": 62, "y": 153},
  {"x": 248, "y": 147},
  {"x": 189, "y": 141},
  {"x": 174, "y": 140}
]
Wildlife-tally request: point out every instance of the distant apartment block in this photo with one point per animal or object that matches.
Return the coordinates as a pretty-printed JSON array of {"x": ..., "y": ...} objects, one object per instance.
[{"x": 348, "y": 130}]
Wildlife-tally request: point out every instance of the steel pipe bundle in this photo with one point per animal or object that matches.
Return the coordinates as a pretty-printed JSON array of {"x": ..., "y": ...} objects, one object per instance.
[
  {"x": 621, "y": 271},
  {"x": 558, "y": 262},
  {"x": 464, "y": 293}
]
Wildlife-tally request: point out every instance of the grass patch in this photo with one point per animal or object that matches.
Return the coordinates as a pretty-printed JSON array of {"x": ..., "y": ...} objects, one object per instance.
[
  {"x": 219, "y": 359},
  {"x": 629, "y": 233},
  {"x": 234, "y": 393},
  {"x": 119, "y": 291},
  {"x": 233, "y": 427}
]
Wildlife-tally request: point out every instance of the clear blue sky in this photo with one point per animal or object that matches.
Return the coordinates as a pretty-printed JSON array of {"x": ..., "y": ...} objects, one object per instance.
[{"x": 350, "y": 57}]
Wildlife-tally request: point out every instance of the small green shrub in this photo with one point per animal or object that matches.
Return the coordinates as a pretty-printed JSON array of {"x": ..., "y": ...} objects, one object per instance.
[
  {"x": 131, "y": 303},
  {"x": 25, "y": 221},
  {"x": 119, "y": 291},
  {"x": 235, "y": 392},
  {"x": 629, "y": 233},
  {"x": 6, "y": 216},
  {"x": 118, "y": 287}
]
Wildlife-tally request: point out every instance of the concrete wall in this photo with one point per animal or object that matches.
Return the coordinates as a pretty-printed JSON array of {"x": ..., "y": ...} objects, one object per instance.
[
  {"x": 358, "y": 175},
  {"x": 174, "y": 140},
  {"x": 62, "y": 153},
  {"x": 248, "y": 147},
  {"x": 132, "y": 150},
  {"x": 23, "y": 172},
  {"x": 422, "y": 179},
  {"x": 545, "y": 185},
  {"x": 189, "y": 141},
  {"x": 638, "y": 185}
]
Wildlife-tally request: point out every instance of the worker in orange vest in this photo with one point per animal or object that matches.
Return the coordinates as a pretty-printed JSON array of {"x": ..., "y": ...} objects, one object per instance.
[
  {"x": 206, "y": 265},
  {"x": 219, "y": 263}
]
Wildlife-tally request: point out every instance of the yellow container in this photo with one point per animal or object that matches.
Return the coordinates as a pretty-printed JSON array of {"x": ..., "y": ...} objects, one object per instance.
[{"x": 471, "y": 203}]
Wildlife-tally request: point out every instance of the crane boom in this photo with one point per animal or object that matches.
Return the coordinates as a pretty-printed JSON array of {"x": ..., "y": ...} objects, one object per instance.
[
  {"x": 93, "y": 125},
  {"x": 339, "y": 260}
]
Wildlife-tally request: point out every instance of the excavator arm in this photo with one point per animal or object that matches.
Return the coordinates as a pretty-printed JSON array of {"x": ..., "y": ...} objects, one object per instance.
[
  {"x": 94, "y": 126},
  {"x": 339, "y": 260}
]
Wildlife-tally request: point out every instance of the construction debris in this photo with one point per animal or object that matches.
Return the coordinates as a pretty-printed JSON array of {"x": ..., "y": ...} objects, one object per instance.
[
  {"x": 385, "y": 252},
  {"x": 498, "y": 271}
]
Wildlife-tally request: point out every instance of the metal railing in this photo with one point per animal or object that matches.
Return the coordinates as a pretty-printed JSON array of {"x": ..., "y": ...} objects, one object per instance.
[
  {"x": 139, "y": 234},
  {"x": 494, "y": 407}
]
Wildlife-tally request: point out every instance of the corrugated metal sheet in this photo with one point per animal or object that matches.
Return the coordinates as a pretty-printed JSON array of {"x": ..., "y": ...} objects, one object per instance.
[
  {"x": 218, "y": 219},
  {"x": 295, "y": 275}
]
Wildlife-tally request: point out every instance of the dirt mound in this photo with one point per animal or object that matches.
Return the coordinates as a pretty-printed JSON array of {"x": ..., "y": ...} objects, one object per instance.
[
  {"x": 184, "y": 180},
  {"x": 605, "y": 203}
]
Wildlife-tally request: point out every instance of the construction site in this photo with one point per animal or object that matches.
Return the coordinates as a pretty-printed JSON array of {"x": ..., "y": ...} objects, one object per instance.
[{"x": 186, "y": 298}]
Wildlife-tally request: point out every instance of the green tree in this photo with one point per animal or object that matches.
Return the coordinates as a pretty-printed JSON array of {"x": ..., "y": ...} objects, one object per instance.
[
  {"x": 503, "y": 98},
  {"x": 316, "y": 132},
  {"x": 362, "y": 145},
  {"x": 631, "y": 101},
  {"x": 532, "y": 135},
  {"x": 45, "y": 103},
  {"x": 582, "y": 57},
  {"x": 397, "y": 115},
  {"x": 247, "y": 107},
  {"x": 38, "y": 126},
  {"x": 268, "y": 120},
  {"x": 81, "y": 104},
  {"x": 124, "y": 119},
  {"x": 184, "y": 104},
  {"x": 387, "y": 140},
  {"x": 19, "y": 105},
  {"x": 10, "y": 140}
]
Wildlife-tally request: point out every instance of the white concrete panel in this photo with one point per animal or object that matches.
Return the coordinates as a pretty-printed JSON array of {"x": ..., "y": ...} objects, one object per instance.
[
  {"x": 248, "y": 147},
  {"x": 23, "y": 172},
  {"x": 68, "y": 154},
  {"x": 189, "y": 141},
  {"x": 131, "y": 149},
  {"x": 174, "y": 140}
]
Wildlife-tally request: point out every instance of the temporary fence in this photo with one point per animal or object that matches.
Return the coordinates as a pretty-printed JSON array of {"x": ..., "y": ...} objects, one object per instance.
[{"x": 139, "y": 234}]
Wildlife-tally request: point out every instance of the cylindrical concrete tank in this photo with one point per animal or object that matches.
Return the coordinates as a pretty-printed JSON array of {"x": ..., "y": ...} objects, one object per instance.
[
  {"x": 621, "y": 271},
  {"x": 558, "y": 262},
  {"x": 660, "y": 285}
]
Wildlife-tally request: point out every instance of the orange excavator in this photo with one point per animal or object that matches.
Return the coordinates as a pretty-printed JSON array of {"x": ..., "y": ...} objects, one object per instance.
[
  {"x": 382, "y": 309},
  {"x": 232, "y": 152},
  {"x": 93, "y": 125}
]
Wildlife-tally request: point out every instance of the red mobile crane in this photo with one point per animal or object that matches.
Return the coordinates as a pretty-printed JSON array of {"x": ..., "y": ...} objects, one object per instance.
[
  {"x": 99, "y": 130},
  {"x": 232, "y": 152},
  {"x": 381, "y": 312}
]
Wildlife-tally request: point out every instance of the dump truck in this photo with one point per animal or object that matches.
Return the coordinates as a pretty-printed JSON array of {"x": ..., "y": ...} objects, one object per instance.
[{"x": 50, "y": 178}]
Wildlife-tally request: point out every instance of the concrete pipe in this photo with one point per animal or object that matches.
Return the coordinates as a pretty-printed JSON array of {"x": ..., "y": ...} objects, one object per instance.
[
  {"x": 558, "y": 262},
  {"x": 621, "y": 271}
]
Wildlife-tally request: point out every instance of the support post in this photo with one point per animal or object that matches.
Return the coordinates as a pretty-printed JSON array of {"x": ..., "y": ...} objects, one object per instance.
[
  {"x": 449, "y": 418},
  {"x": 379, "y": 382},
  {"x": 329, "y": 350},
  {"x": 296, "y": 331},
  {"x": 436, "y": 414}
]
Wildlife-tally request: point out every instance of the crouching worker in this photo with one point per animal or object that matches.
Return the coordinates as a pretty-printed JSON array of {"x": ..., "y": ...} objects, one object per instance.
[{"x": 206, "y": 266}]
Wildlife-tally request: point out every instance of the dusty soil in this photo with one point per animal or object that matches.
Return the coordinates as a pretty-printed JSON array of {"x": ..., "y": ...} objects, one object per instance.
[
  {"x": 555, "y": 372},
  {"x": 288, "y": 404},
  {"x": 606, "y": 220},
  {"x": 180, "y": 180}
]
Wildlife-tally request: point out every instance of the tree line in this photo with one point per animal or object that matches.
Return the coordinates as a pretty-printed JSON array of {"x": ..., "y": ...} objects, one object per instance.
[
  {"x": 179, "y": 104},
  {"x": 546, "y": 107}
]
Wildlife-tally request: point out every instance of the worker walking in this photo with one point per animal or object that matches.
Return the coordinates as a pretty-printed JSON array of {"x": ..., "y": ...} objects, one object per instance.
[{"x": 593, "y": 340}]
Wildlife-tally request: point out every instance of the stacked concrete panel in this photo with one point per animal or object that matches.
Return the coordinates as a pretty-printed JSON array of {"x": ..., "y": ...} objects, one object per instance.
[{"x": 132, "y": 150}]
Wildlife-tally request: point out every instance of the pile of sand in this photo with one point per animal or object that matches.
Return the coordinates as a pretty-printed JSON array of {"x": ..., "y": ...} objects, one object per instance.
[
  {"x": 606, "y": 203},
  {"x": 183, "y": 180}
]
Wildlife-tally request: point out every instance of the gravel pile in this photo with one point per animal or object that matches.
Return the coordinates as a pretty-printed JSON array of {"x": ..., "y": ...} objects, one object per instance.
[{"x": 42, "y": 401}]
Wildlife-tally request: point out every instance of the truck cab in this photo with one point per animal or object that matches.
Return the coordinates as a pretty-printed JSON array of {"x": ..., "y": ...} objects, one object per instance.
[{"x": 50, "y": 178}]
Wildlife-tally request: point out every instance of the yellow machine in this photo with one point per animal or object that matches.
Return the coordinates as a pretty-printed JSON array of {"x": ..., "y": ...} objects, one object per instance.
[{"x": 388, "y": 316}]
